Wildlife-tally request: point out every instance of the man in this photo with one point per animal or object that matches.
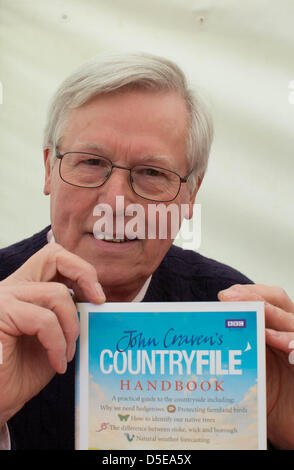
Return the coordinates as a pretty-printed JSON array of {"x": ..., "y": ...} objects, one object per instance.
[{"x": 127, "y": 127}]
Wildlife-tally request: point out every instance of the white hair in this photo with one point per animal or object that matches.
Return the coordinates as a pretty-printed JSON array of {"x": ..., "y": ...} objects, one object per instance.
[{"x": 140, "y": 70}]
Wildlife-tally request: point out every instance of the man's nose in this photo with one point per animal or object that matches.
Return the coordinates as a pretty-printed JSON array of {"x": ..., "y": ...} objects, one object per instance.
[{"x": 118, "y": 184}]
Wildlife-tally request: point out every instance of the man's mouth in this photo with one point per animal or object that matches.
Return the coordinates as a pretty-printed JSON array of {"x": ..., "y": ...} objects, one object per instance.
[{"x": 109, "y": 239}]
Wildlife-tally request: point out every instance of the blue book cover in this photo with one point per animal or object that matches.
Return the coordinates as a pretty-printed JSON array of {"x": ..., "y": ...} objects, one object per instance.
[{"x": 171, "y": 376}]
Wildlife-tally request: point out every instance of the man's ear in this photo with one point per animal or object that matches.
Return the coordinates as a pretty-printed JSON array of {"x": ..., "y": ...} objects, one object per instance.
[
  {"x": 189, "y": 213},
  {"x": 48, "y": 171}
]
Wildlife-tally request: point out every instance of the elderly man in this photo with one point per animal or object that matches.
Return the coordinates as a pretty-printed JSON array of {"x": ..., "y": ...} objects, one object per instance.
[{"x": 130, "y": 127}]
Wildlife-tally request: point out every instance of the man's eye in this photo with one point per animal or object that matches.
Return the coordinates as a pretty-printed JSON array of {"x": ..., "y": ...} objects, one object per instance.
[
  {"x": 92, "y": 162},
  {"x": 152, "y": 172}
]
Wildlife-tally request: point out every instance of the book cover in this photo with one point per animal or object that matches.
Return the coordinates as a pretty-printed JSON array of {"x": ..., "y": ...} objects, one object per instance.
[{"x": 171, "y": 376}]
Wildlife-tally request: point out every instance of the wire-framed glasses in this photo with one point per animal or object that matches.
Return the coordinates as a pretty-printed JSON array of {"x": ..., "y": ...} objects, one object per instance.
[{"x": 87, "y": 170}]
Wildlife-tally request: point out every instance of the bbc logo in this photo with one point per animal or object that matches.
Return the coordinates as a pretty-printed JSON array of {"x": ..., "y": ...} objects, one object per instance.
[{"x": 235, "y": 323}]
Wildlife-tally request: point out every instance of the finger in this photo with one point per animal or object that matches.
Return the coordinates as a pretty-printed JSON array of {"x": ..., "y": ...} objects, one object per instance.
[
  {"x": 24, "y": 318},
  {"x": 281, "y": 340},
  {"x": 276, "y": 296},
  {"x": 55, "y": 297},
  {"x": 278, "y": 319},
  {"x": 275, "y": 318},
  {"x": 271, "y": 294},
  {"x": 54, "y": 262},
  {"x": 234, "y": 294}
]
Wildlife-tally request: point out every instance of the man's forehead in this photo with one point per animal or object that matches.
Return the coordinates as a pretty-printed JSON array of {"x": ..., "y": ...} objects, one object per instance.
[{"x": 135, "y": 113}]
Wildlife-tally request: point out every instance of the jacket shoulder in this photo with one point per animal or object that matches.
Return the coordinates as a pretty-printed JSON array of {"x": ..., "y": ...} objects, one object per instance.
[
  {"x": 13, "y": 256},
  {"x": 192, "y": 265},
  {"x": 185, "y": 275}
]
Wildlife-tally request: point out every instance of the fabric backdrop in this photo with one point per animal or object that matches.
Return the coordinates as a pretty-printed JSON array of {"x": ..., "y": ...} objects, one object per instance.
[{"x": 241, "y": 56}]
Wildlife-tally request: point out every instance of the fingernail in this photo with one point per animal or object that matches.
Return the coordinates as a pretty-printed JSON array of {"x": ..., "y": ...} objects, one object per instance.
[
  {"x": 100, "y": 292},
  {"x": 63, "y": 365},
  {"x": 71, "y": 351},
  {"x": 229, "y": 292}
]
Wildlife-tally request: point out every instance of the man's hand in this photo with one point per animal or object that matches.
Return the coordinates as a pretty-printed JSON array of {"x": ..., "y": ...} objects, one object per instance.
[
  {"x": 38, "y": 322},
  {"x": 279, "y": 322}
]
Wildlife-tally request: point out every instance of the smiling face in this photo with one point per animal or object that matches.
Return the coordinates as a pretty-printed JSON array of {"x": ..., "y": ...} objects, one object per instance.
[{"x": 130, "y": 127}]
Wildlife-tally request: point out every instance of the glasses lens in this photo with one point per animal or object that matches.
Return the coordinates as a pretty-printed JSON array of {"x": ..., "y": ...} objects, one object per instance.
[
  {"x": 84, "y": 169},
  {"x": 155, "y": 183}
]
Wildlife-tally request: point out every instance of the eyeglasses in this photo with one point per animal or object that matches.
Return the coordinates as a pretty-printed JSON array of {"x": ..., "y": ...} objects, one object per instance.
[{"x": 87, "y": 170}]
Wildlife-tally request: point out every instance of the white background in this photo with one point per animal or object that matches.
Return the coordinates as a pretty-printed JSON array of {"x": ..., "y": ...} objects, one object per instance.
[{"x": 240, "y": 53}]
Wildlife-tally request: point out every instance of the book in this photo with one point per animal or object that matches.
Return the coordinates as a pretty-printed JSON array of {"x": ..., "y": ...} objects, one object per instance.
[{"x": 171, "y": 376}]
